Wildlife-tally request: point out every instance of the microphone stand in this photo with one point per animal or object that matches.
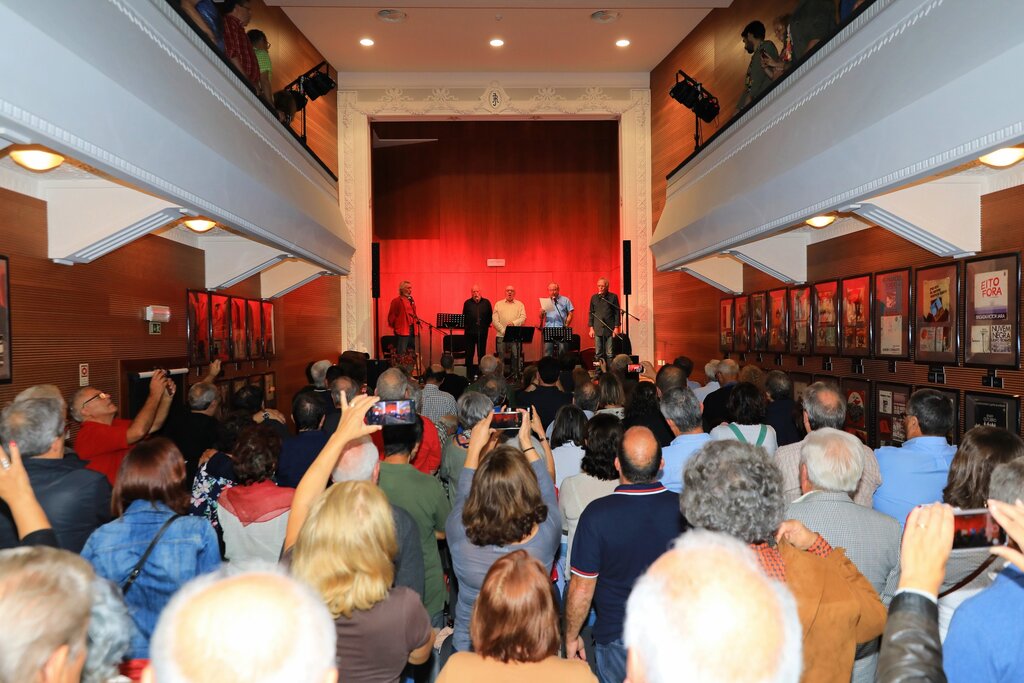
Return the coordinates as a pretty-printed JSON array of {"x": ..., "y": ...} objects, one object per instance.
[{"x": 628, "y": 314}]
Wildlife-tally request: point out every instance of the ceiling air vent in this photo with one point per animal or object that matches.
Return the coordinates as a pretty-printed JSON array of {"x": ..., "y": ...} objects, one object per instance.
[
  {"x": 392, "y": 16},
  {"x": 605, "y": 16}
]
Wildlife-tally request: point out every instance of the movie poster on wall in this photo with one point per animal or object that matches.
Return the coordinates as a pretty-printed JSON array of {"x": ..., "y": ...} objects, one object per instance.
[
  {"x": 725, "y": 321},
  {"x": 991, "y": 410},
  {"x": 826, "y": 320},
  {"x": 858, "y": 408},
  {"x": 800, "y": 320},
  {"x": 892, "y": 314},
  {"x": 741, "y": 335},
  {"x": 992, "y": 286},
  {"x": 759, "y": 322},
  {"x": 778, "y": 321},
  {"x": 936, "y": 314},
  {"x": 220, "y": 330},
  {"x": 855, "y": 315},
  {"x": 891, "y": 410}
]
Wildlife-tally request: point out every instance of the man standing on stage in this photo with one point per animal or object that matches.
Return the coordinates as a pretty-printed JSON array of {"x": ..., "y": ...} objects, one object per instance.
[
  {"x": 477, "y": 312},
  {"x": 604, "y": 320},
  {"x": 402, "y": 318},
  {"x": 508, "y": 311},
  {"x": 560, "y": 315}
]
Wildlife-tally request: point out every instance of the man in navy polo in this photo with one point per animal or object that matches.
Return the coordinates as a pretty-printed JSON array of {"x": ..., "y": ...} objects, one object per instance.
[{"x": 618, "y": 537}]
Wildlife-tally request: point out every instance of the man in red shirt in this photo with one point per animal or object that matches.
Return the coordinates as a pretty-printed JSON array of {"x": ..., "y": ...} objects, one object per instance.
[
  {"x": 237, "y": 46},
  {"x": 104, "y": 439}
]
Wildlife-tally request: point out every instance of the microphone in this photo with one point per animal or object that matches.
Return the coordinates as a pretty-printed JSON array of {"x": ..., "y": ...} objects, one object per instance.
[{"x": 411, "y": 300}]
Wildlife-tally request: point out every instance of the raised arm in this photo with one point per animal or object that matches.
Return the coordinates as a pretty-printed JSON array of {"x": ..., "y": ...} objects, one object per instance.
[
  {"x": 143, "y": 422},
  {"x": 16, "y": 491},
  {"x": 531, "y": 422}
]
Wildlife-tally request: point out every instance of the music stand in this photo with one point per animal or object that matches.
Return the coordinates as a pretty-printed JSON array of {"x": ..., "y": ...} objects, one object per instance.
[
  {"x": 517, "y": 335},
  {"x": 451, "y": 321},
  {"x": 558, "y": 335}
]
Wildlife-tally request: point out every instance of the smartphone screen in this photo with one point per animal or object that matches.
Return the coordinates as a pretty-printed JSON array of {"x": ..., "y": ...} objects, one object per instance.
[
  {"x": 510, "y": 420},
  {"x": 392, "y": 413},
  {"x": 976, "y": 529},
  {"x": 635, "y": 367}
]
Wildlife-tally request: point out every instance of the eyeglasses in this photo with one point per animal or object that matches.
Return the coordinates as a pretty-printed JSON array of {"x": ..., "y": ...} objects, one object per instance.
[{"x": 99, "y": 395}]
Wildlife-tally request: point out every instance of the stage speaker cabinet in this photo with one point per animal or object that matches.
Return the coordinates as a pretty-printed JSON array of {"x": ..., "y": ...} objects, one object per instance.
[
  {"x": 375, "y": 270},
  {"x": 374, "y": 369},
  {"x": 627, "y": 268}
]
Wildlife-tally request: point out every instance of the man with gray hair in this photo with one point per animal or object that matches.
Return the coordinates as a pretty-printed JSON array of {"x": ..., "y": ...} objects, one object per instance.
[
  {"x": 394, "y": 385},
  {"x": 196, "y": 431},
  {"x": 715, "y": 411},
  {"x": 76, "y": 500},
  {"x": 402, "y": 318},
  {"x": 674, "y": 630},
  {"x": 824, "y": 407},
  {"x": 255, "y": 626},
  {"x": 831, "y": 463},
  {"x": 319, "y": 388},
  {"x": 45, "y": 599},
  {"x": 711, "y": 380},
  {"x": 343, "y": 385},
  {"x": 604, "y": 319},
  {"x": 682, "y": 411},
  {"x": 782, "y": 412}
]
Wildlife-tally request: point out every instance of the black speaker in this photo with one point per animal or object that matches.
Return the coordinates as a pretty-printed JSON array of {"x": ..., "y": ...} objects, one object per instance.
[
  {"x": 375, "y": 270},
  {"x": 627, "y": 268}
]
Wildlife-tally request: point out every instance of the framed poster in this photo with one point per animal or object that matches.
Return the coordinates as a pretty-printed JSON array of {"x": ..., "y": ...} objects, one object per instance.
[
  {"x": 239, "y": 334},
  {"x": 890, "y": 413},
  {"x": 936, "y": 311},
  {"x": 270, "y": 390},
  {"x": 220, "y": 328},
  {"x": 825, "y": 297},
  {"x": 891, "y": 314},
  {"x": 198, "y": 327},
  {"x": 6, "y": 368},
  {"x": 801, "y": 380},
  {"x": 725, "y": 324},
  {"x": 858, "y": 408},
  {"x": 800, "y": 320},
  {"x": 741, "y": 327},
  {"x": 991, "y": 320},
  {"x": 992, "y": 410},
  {"x": 954, "y": 396},
  {"x": 254, "y": 323},
  {"x": 759, "y": 322},
  {"x": 855, "y": 315},
  {"x": 778, "y": 320},
  {"x": 268, "y": 329}
]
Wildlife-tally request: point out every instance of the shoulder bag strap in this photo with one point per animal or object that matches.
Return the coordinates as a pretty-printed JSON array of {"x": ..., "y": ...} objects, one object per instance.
[
  {"x": 134, "y": 574},
  {"x": 971, "y": 577},
  {"x": 737, "y": 432},
  {"x": 761, "y": 435}
]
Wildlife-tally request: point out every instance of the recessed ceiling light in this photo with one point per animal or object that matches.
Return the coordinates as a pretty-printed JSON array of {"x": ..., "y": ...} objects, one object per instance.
[
  {"x": 366, "y": 42},
  {"x": 605, "y": 16},
  {"x": 392, "y": 16},
  {"x": 199, "y": 224},
  {"x": 820, "y": 221},
  {"x": 1007, "y": 156},
  {"x": 622, "y": 42},
  {"x": 36, "y": 158},
  {"x": 497, "y": 42}
]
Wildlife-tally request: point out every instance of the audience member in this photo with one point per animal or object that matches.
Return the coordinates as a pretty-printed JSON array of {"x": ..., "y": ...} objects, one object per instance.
[
  {"x": 776, "y": 67},
  {"x": 196, "y": 431},
  {"x": 217, "y": 471},
  {"x": 261, "y": 48},
  {"x": 611, "y": 397},
  {"x": 671, "y": 377},
  {"x": 350, "y": 387},
  {"x": 824, "y": 406},
  {"x": 436, "y": 404},
  {"x": 153, "y": 548},
  {"x": 782, "y": 412},
  {"x": 452, "y": 383},
  {"x": 489, "y": 366},
  {"x": 598, "y": 476},
  {"x": 618, "y": 367},
  {"x": 319, "y": 386},
  {"x": 206, "y": 18},
  {"x": 253, "y": 514},
  {"x": 109, "y": 635},
  {"x": 393, "y": 385},
  {"x": 473, "y": 407},
  {"x": 257, "y": 627},
  {"x": 711, "y": 380},
  {"x": 45, "y": 598},
  {"x": 684, "y": 363},
  {"x": 515, "y": 630},
  {"x": 811, "y": 22},
  {"x": 237, "y": 46},
  {"x": 104, "y": 438},
  {"x": 758, "y": 78},
  {"x": 547, "y": 398},
  {"x": 715, "y": 402},
  {"x": 568, "y": 434},
  {"x": 830, "y": 468},
  {"x": 74, "y": 500},
  {"x": 299, "y": 451},
  {"x": 746, "y": 409},
  {"x": 675, "y": 630},
  {"x": 617, "y": 538},
  {"x": 251, "y": 400},
  {"x": 643, "y": 410},
  {"x": 31, "y": 527},
  {"x": 584, "y": 397},
  {"x": 503, "y": 500},
  {"x": 916, "y": 472},
  {"x": 734, "y": 487},
  {"x": 682, "y": 411}
]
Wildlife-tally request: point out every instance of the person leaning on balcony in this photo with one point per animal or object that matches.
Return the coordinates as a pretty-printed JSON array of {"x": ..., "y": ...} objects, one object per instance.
[{"x": 237, "y": 47}]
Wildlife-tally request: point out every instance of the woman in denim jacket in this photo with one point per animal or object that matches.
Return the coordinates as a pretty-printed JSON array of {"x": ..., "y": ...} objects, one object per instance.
[{"x": 149, "y": 491}]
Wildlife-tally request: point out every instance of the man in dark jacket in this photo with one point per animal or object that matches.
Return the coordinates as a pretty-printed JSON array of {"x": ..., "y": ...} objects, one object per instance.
[
  {"x": 76, "y": 500},
  {"x": 477, "y": 312},
  {"x": 195, "y": 432},
  {"x": 782, "y": 412},
  {"x": 715, "y": 412}
]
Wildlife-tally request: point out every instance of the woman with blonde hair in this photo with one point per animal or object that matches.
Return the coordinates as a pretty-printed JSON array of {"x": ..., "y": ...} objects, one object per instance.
[{"x": 343, "y": 543}]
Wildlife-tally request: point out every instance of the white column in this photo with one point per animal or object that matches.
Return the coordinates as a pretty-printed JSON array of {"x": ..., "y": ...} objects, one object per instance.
[
  {"x": 635, "y": 215},
  {"x": 354, "y": 197}
]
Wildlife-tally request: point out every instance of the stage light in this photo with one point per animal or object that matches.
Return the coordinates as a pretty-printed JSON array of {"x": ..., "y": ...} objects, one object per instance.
[
  {"x": 622, "y": 43},
  {"x": 200, "y": 224},
  {"x": 366, "y": 42},
  {"x": 317, "y": 85},
  {"x": 36, "y": 158},
  {"x": 692, "y": 95},
  {"x": 1000, "y": 158},
  {"x": 497, "y": 42},
  {"x": 820, "y": 221}
]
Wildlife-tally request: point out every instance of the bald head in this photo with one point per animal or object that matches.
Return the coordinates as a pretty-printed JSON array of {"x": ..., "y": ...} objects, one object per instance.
[
  {"x": 392, "y": 385},
  {"x": 640, "y": 461},
  {"x": 824, "y": 406},
  {"x": 728, "y": 370},
  {"x": 255, "y": 627},
  {"x": 699, "y": 605}
]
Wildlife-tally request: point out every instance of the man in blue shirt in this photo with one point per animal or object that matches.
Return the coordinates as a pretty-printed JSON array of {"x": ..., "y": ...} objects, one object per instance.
[
  {"x": 916, "y": 473},
  {"x": 298, "y": 452},
  {"x": 560, "y": 315},
  {"x": 682, "y": 411},
  {"x": 618, "y": 537}
]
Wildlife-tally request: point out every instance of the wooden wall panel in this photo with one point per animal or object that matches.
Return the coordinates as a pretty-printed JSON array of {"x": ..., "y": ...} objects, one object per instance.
[
  {"x": 685, "y": 319},
  {"x": 541, "y": 195}
]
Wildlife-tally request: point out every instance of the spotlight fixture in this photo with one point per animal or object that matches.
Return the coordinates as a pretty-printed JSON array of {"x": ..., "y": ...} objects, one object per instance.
[
  {"x": 693, "y": 95},
  {"x": 200, "y": 224},
  {"x": 820, "y": 221},
  {"x": 497, "y": 42},
  {"x": 35, "y": 158},
  {"x": 1001, "y": 158},
  {"x": 366, "y": 42},
  {"x": 622, "y": 42},
  {"x": 317, "y": 85}
]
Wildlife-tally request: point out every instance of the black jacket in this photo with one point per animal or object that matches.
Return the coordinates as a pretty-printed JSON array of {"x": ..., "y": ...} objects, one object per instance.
[
  {"x": 911, "y": 648},
  {"x": 75, "y": 500},
  {"x": 715, "y": 412}
]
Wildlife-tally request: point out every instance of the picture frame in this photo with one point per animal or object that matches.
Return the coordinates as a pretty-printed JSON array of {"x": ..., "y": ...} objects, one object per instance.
[
  {"x": 239, "y": 333},
  {"x": 220, "y": 327},
  {"x": 741, "y": 324},
  {"x": 197, "y": 327},
  {"x": 801, "y": 380},
  {"x": 995, "y": 410},
  {"x": 269, "y": 348},
  {"x": 855, "y": 316},
  {"x": 858, "y": 408},
  {"x": 778, "y": 320},
  {"x": 254, "y": 325},
  {"x": 825, "y": 317},
  {"x": 800, "y": 327},
  {"x": 936, "y": 314},
  {"x": 890, "y": 314},
  {"x": 6, "y": 355},
  {"x": 759, "y": 321},
  {"x": 890, "y": 413},
  {"x": 992, "y": 311},
  {"x": 954, "y": 396},
  {"x": 725, "y": 324},
  {"x": 270, "y": 389}
]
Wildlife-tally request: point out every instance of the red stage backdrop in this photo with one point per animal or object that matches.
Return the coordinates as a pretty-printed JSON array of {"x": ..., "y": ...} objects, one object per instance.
[{"x": 542, "y": 195}]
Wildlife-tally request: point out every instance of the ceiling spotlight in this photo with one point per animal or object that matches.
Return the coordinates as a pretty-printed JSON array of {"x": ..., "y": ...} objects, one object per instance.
[
  {"x": 820, "y": 221},
  {"x": 200, "y": 224},
  {"x": 317, "y": 84},
  {"x": 497, "y": 42},
  {"x": 35, "y": 158},
  {"x": 366, "y": 42},
  {"x": 622, "y": 42},
  {"x": 1007, "y": 156}
]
